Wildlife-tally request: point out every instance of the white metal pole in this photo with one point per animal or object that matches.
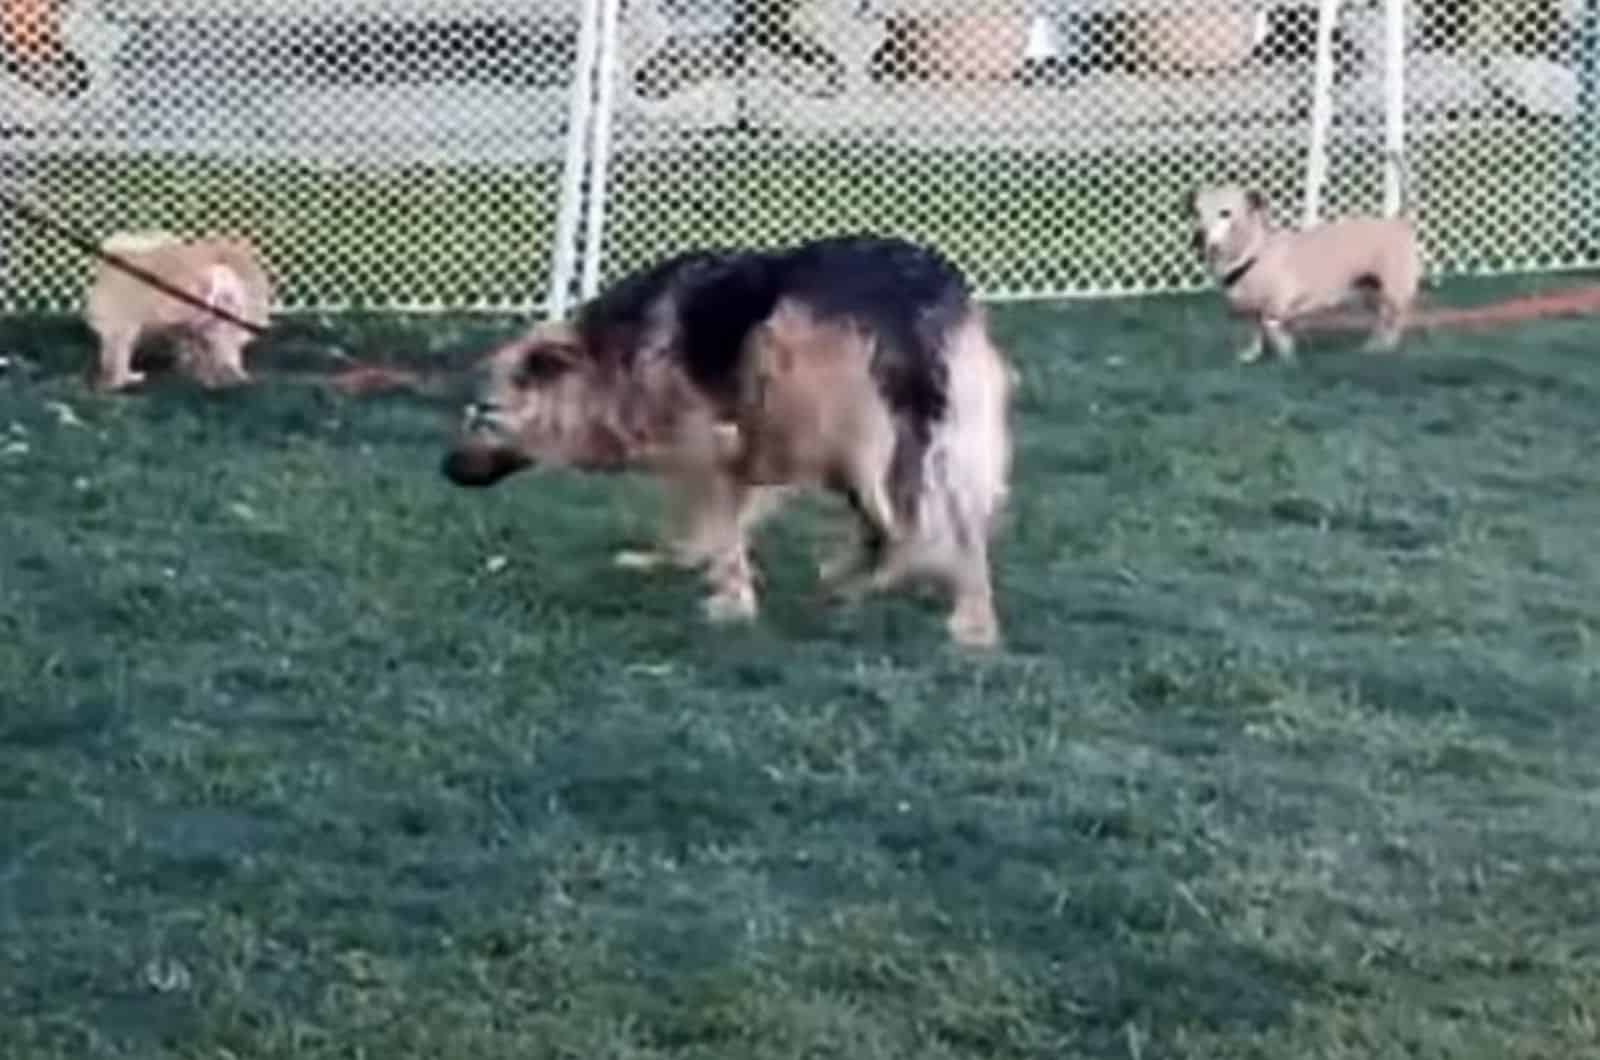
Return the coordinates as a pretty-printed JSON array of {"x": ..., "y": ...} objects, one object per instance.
[
  {"x": 1586, "y": 138},
  {"x": 1394, "y": 98},
  {"x": 571, "y": 207},
  {"x": 600, "y": 150},
  {"x": 1321, "y": 110}
]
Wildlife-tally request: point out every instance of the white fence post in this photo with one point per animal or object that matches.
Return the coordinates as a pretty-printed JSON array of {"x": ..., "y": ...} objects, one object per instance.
[
  {"x": 600, "y": 149},
  {"x": 1394, "y": 98},
  {"x": 1321, "y": 110},
  {"x": 563, "y": 260},
  {"x": 1586, "y": 138}
]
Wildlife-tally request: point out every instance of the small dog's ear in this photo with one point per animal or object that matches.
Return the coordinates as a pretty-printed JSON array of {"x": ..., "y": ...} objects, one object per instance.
[{"x": 1256, "y": 201}]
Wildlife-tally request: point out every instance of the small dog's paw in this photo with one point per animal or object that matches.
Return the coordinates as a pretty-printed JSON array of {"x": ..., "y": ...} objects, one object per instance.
[
  {"x": 731, "y": 605},
  {"x": 639, "y": 559},
  {"x": 1250, "y": 355}
]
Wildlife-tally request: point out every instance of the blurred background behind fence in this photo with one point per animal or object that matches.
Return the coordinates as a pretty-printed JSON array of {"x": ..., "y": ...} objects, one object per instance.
[{"x": 512, "y": 154}]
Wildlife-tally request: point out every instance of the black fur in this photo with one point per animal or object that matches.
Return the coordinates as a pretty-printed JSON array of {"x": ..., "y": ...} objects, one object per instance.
[
  {"x": 701, "y": 306},
  {"x": 698, "y": 307}
]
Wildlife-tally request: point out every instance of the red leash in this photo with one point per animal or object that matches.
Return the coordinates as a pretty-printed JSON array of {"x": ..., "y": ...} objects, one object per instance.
[
  {"x": 358, "y": 378},
  {"x": 41, "y": 220}
]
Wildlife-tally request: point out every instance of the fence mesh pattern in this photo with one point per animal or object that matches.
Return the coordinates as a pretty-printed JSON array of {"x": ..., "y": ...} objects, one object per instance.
[
  {"x": 384, "y": 154},
  {"x": 409, "y": 154}
]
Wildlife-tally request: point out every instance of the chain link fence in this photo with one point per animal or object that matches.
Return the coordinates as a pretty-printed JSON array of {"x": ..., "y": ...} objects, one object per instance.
[
  {"x": 385, "y": 154},
  {"x": 425, "y": 154}
]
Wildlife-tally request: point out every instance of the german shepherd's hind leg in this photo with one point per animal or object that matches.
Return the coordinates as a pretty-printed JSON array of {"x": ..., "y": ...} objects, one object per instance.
[
  {"x": 950, "y": 546},
  {"x": 967, "y": 481},
  {"x": 863, "y": 479},
  {"x": 858, "y": 566},
  {"x": 972, "y": 621},
  {"x": 948, "y": 542},
  {"x": 956, "y": 485}
]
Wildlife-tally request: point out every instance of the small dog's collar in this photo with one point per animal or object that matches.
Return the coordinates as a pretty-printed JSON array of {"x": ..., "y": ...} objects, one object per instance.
[{"x": 1235, "y": 274}]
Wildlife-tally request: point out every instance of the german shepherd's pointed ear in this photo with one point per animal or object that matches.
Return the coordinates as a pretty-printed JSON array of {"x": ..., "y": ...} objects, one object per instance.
[{"x": 1256, "y": 201}]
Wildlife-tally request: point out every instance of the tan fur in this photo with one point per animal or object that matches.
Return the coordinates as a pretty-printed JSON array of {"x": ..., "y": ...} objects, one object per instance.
[
  {"x": 809, "y": 411},
  {"x": 1302, "y": 271},
  {"x": 965, "y": 482},
  {"x": 808, "y": 414},
  {"x": 811, "y": 415},
  {"x": 122, "y": 309}
]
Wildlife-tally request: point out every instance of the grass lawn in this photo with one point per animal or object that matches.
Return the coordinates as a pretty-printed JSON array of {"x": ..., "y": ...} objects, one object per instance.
[
  {"x": 1020, "y": 222},
  {"x": 1292, "y": 752}
]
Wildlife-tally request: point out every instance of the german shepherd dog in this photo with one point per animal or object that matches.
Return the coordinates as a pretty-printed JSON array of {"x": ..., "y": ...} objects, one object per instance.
[{"x": 856, "y": 364}]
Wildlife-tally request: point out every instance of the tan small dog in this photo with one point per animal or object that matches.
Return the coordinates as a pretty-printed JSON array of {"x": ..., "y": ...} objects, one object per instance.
[
  {"x": 121, "y": 309},
  {"x": 1275, "y": 275}
]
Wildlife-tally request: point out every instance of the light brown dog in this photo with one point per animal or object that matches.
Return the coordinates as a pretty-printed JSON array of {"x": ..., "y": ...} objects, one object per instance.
[
  {"x": 1274, "y": 275},
  {"x": 121, "y": 309}
]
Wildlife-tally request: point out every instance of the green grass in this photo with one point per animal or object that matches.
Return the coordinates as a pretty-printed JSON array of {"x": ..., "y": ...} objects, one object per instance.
[
  {"x": 1291, "y": 752},
  {"x": 1018, "y": 221}
]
